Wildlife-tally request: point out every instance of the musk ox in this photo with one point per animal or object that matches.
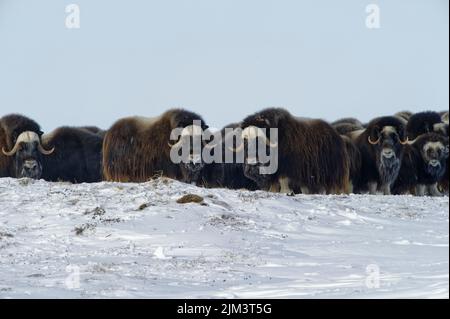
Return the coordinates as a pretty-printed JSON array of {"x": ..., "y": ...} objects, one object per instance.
[
  {"x": 312, "y": 157},
  {"x": 422, "y": 123},
  {"x": 226, "y": 174},
  {"x": 137, "y": 149},
  {"x": 381, "y": 148},
  {"x": 77, "y": 157},
  {"x": 346, "y": 125},
  {"x": 424, "y": 165},
  {"x": 22, "y": 152}
]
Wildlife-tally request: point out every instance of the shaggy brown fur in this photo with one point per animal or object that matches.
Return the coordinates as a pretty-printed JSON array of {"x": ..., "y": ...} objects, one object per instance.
[
  {"x": 135, "y": 149},
  {"x": 312, "y": 154},
  {"x": 354, "y": 158}
]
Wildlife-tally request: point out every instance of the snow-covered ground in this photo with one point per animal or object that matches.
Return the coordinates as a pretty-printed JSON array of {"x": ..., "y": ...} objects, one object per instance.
[{"x": 135, "y": 241}]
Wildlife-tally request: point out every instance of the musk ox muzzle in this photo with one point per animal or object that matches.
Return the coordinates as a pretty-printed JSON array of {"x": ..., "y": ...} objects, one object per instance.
[
  {"x": 31, "y": 169},
  {"x": 253, "y": 172}
]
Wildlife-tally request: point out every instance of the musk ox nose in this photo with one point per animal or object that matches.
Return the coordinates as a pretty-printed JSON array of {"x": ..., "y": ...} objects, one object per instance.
[
  {"x": 388, "y": 153},
  {"x": 434, "y": 163},
  {"x": 31, "y": 169},
  {"x": 30, "y": 166},
  {"x": 195, "y": 159}
]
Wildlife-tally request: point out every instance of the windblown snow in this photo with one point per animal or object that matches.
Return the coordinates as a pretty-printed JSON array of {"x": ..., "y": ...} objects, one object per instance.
[{"x": 111, "y": 240}]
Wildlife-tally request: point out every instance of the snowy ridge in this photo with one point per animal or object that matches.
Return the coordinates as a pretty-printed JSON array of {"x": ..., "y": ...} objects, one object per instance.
[{"x": 135, "y": 241}]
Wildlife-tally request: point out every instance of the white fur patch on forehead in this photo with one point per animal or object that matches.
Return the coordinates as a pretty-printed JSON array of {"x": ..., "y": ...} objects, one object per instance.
[
  {"x": 252, "y": 132},
  {"x": 389, "y": 129},
  {"x": 439, "y": 127},
  {"x": 192, "y": 130},
  {"x": 28, "y": 137},
  {"x": 433, "y": 146}
]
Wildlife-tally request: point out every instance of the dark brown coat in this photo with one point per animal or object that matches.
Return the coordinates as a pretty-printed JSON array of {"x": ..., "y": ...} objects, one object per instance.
[
  {"x": 312, "y": 155},
  {"x": 136, "y": 149}
]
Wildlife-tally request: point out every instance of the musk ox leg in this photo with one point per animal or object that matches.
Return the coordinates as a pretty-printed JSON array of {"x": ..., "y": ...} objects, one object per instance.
[
  {"x": 274, "y": 188},
  {"x": 443, "y": 187},
  {"x": 386, "y": 189},
  {"x": 420, "y": 190},
  {"x": 373, "y": 186},
  {"x": 351, "y": 189},
  {"x": 304, "y": 189},
  {"x": 434, "y": 190},
  {"x": 284, "y": 185}
]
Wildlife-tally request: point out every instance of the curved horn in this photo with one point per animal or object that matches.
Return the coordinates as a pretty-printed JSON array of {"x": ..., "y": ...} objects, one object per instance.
[
  {"x": 372, "y": 142},
  {"x": 236, "y": 150},
  {"x": 12, "y": 152},
  {"x": 210, "y": 147},
  {"x": 44, "y": 151},
  {"x": 405, "y": 141},
  {"x": 177, "y": 144},
  {"x": 266, "y": 139},
  {"x": 256, "y": 132}
]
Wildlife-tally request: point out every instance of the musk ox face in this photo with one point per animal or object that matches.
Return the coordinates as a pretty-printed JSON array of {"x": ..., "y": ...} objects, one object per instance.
[
  {"x": 256, "y": 145},
  {"x": 191, "y": 145},
  {"x": 253, "y": 172},
  {"x": 192, "y": 169},
  {"x": 27, "y": 155},
  {"x": 387, "y": 143},
  {"x": 441, "y": 128},
  {"x": 252, "y": 168},
  {"x": 435, "y": 154}
]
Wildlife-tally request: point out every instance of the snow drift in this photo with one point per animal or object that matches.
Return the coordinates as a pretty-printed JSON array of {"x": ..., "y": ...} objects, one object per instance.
[{"x": 112, "y": 240}]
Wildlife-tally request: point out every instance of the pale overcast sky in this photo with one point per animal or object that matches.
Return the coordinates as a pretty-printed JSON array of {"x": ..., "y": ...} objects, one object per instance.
[{"x": 223, "y": 59}]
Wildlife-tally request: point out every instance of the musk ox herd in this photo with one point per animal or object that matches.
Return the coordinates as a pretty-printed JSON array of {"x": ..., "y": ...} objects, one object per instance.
[{"x": 404, "y": 153}]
